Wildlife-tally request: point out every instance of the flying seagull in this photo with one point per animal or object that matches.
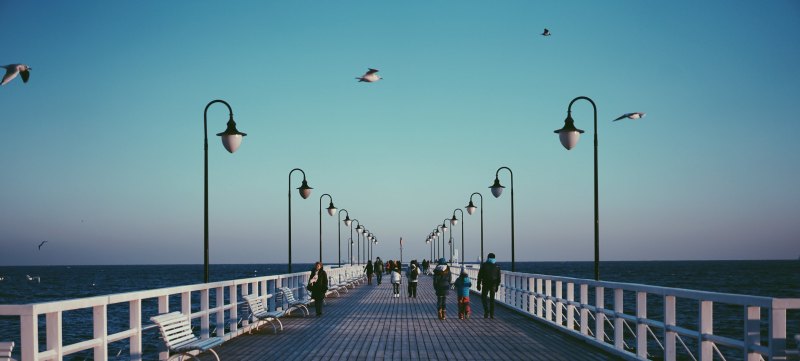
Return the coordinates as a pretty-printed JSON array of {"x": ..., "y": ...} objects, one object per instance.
[
  {"x": 546, "y": 32},
  {"x": 42, "y": 244},
  {"x": 12, "y": 70},
  {"x": 635, "y": 115},
  {"x": 369, "y": 76}
]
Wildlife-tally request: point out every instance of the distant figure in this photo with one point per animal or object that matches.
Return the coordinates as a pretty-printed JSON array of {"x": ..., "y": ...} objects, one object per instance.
[
  {"x": 546, "y": 32},
  {"x": 634, "y": 115},
  {"x": 463, "y": 284},
  {"x": 389, "y": 266},
  {"x": 12, "y": 70},
  {"x": 318, "y": 285},
  {"x": 413, "y": 278},
  {"x": 369, "y": 270},
  {"x": 396, "y": 277},
  {"x": 42, "y": 244},
  {"x": 378, "y": 270},
  {"x": 441, "y": 283},
  {"x": 489, "y": 279},
  {"x": 369, "y": 76}
]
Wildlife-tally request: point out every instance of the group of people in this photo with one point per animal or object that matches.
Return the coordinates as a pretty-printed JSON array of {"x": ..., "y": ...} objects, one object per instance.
[{"x": 394, "y": 268}]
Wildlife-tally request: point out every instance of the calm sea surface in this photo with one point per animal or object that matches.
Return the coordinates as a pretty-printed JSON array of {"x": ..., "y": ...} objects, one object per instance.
[{"x": 762, "y": 278}]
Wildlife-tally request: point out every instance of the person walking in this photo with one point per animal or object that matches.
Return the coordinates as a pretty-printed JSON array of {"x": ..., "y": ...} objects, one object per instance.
[
  {"x": 378, "y": 270},
  {"x": 413, "y": 278},
  {"x": 441, "y": 283},
  {"x": 463, "y": 283},
  {"x": 369, "y": 270},
  {"x": 489, "y": 279},
  {"x": 318, "y": 285},
  {"x": 396, "y": 280}
]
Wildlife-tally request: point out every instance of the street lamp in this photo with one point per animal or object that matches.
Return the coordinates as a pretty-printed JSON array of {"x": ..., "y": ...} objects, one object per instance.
[
  {"x": 471, "y": 209},
  {"x": 305, "y": 192},
  {"x": 331, "y": 211},
  {"x": 444, "y": 229},
  {"x": 347, "y": 222},
  {"x": 497, "y": 190},
  {"x": 231, "y": 140},
  {"x": 454, "y": 221},
  {"x": 569, "y": 136},
  {"x": 359, "y": 232},
  {"x": 358, "y": 240},
  {"x": 437, "y": 232}
]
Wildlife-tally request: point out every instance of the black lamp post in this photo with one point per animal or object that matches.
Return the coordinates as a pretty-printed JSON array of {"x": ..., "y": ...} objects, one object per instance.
[
  {"x": 497, "y": 190},
  {"x": 331, "y": 211},
  {"x": 231, "y": 140},
  {"x": 453, "y": 222},
  {"x": 359, "y": 227},
  {"x": 471, "y": 209},
  {"x": 347, "y": 222},
  {"x": 436, "y": 253},
  {"x": 569, "y": 136},
  {"x": 305, "y": 192},
  {"x": 449, "y": 243}
]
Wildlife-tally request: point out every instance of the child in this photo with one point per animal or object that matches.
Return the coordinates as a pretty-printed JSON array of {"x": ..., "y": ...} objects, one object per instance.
[
  {"x": 463, "y": 283},
  {"x": 396, "y": 280}
]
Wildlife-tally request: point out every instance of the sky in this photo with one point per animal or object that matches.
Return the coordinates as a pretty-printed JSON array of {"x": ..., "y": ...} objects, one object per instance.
[{"x": 101, "y": 152}]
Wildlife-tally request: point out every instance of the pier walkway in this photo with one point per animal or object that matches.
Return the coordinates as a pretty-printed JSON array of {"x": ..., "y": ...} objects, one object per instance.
[{"x": 367, "y": 323}]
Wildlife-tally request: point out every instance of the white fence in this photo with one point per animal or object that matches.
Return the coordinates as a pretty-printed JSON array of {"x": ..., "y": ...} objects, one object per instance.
[
  {"x": 626, "y": 330},
  {"x": 226, "y": 297}
]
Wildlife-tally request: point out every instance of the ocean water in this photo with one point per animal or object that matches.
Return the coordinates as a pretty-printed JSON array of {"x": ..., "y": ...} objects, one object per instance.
[{"x": 762, "y": 278}]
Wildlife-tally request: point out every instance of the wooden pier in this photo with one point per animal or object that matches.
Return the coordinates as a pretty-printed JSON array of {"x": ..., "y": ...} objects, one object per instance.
[{"x": 367, "y": 323}]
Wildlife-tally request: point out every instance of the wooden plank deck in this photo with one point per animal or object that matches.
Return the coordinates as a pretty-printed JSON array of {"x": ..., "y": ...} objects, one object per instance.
[{"x": 367, "y": 323}]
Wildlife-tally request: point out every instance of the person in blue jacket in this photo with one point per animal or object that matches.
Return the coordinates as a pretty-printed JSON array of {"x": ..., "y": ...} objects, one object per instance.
[{"x": 463, "y": 284}]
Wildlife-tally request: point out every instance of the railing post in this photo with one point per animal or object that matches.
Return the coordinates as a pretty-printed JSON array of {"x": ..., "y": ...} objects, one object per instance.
[
  {"x": 186, "y": 304},
  {"x": 135, "y": 324},
  {"x": 584, "y": 310},
  {"x": 619, "y": 327},
  {"x": 548, "y": 292},
  {"x": 531, "y": 295},
  {"x": 539, "y": 298},
  {"x": 670, "y": 349},
  {"x": 599, "y": 316},
  {"x": 244, "y": 288},
  {"x": 204, "y": 316},
  {"x": 234, "y": 313},
  {"x": 641, "y": 327},
  {"x": 752, "y": 332},
  {"x": 29, "y": 335},
  {"x": 100, "y": 321},
  {"x": 54, "y": 332},
  {"x": 570, "y": 306},
  {"x": 706, "y": 327},
  {"x": 559, "y": 304},
  {"x": 777, "y": 333},
  {"x": 163, "y": 307},
  {"x": 219, "y": 304}
]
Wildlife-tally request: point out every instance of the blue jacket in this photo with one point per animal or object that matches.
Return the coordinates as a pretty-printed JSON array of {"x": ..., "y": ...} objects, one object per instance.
[{"x": 462, "y": 286}]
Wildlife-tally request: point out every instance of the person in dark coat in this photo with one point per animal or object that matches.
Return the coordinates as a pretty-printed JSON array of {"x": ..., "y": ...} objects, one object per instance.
[
  {"x": 413, "y": 278},
  {"x": 489, "y": 279},
  {"x": 369, "y": 270},
  {"x": 441, "y": 283},
  {"x": 318, "y": 285},
  {"x": 378, "y": 270}
]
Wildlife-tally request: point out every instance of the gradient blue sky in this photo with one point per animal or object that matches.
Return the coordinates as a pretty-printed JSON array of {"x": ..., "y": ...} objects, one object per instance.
[{"x": 101, "y": 152}]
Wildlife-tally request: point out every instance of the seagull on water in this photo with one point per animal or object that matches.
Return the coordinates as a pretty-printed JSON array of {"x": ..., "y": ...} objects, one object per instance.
[
  {"x": 42, "y": 244},
  {"x": 31, "y": 278},
  {"x": 369, "y": 76},
  {"x": 12, "y": 70},
  {"x": 634, "y": 115},
  {"x": 546, "y": 32}
]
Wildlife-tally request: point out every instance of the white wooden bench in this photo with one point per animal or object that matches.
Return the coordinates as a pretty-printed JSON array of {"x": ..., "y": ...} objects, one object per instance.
[
  {"x": 292, "y": 302},
  {"x": 176, "y": 331},
  {"x": 259, "y": 311},
  {"x": 5, "y": 351}
]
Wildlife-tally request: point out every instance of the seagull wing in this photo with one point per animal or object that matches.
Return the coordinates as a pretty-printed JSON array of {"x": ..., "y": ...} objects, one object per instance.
[
  {"x": 11, "y": 73},
  {"x": 622, "y": 117},
  {"x": 372, "y": 71},
  {"x": 25, "y": 75}
]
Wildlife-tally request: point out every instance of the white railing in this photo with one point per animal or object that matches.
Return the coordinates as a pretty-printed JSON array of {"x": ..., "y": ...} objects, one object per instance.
[
  {"x": 552, "y": 299},
  {"x": 227, "y": 294}
]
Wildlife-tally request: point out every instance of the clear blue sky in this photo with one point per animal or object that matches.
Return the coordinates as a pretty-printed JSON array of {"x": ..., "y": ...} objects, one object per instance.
[{"x": 101, "y": 152}]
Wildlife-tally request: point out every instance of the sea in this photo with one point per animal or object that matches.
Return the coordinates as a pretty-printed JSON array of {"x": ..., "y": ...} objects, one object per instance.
[{"x": 33, "y": 284}]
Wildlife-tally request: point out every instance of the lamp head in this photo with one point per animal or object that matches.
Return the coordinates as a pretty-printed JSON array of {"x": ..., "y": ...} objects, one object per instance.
[
  {"x": 231, "y": 137},
  {"x": 331, "y": 209},
  {"x": 569, "y": 135},
  {"x": 304, "y": 189},
  {"x": 496, "y": 188},
  {"x": 444, "y": 227},
  {"x": 470, "y": 208},
  {"x": 347, "y": 221},
  {"x": 454, "y": 220}
]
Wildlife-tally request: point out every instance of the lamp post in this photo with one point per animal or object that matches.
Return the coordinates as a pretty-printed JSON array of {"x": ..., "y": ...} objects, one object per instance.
[
  {"x": 331, "y": 211},
  {"x": 437, "y": 232},
  {"x": 305, "y": 192},
  {"x": 444, "y": 229},
  {"x": 351, "y": 239},
  {"x": 569, "y": 136},
  {"x": 359, "y": 232},
  {"x": 497, "y": 190},
  {"x": 231, "y": 140},
  {"x": 430, "y": 242},
  {"x": 347, "y": 223},
  {"x": 471, "y": 209},
  {"x": 453, "y": 222}
]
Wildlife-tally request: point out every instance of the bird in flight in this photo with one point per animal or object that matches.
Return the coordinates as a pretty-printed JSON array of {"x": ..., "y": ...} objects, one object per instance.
[
  {"x": 12, "y": 70},
  {"x": 42, "y": 244},
  {"x": 369, "y": 76},
  {"x": 635, "y": 115},
  {"x": 546, "y": 32}
]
